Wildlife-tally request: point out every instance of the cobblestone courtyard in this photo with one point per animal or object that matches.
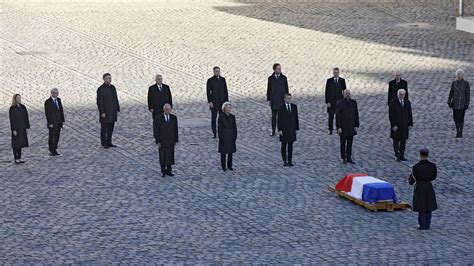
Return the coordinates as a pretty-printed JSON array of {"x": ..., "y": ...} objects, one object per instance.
[{"x": 92, "y": 205}]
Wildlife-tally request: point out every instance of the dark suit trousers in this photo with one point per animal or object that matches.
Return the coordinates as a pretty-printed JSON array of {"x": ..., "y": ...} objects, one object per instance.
[
  {"x": 213, "y": 120},
  {"x": 346, "y": 147},
  {"x": 399, "y": 147},
  {"x": 274, "y": 119},
  {"x": 229, "y": 160},
  {"x": 17, "y": 153},
  {"x": 54, "y": 137},
  {"x": 330, "y": 120},
  {"x": 106, "y": 131},
  {"x": 424, "y": 220},
  {"x": 287, "y": 151}
]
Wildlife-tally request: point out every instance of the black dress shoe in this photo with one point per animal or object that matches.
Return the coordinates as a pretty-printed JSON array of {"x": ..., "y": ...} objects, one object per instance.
[
  {"x": 403, "y": 159},
  {"x": 17, "y": 162},
  {"x": 231, "y": 169},
  {"x": 112, "y": 145},
  {"x": 344, "y": 161},
  {"x": 21, "y": 161},
  {"x": 105, "y": 146},
  {"x": 273, "y": 134},
  {"x": 223, "y": 169},
  {"x": 51, "y": 153},
  {"x": 163, "y": 174},
  {"x": 291, "y": 164},
  {"x": 170, "y": 174},
  {"x": 350, "y": 161},
  {"x": 56, "y": 153},
  {"x": 330, "y": 132},
  {"x": 285, "y": 164}
]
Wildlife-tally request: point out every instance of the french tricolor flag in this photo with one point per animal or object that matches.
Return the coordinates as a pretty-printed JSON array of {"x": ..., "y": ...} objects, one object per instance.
[{"x": 366, "y": 188}]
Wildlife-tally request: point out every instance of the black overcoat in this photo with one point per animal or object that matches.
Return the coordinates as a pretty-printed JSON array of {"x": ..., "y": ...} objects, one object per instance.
[
  {"x": 333, "y": 92},
  {"x": 54, "y": 114},
  {"x": 400, "y": 117},
  {"x": 166, "y": 134},
  {"x": 424, "y": 197},
  {"x": 347, "y": 117},
  {"x": 216, "y": 90},
  {"x": 19, "y": 122},
  {"x": 288, "y": 123},
  {"x": 393, "y": 88},
  {"x": 227, "y": 130},
  {"x": 157, "y": 99},
  {"x": 107, "y": 102},
  {"x": 276, "y": 89}
]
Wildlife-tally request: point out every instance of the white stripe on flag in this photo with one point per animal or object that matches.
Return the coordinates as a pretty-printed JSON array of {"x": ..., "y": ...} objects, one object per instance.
[{"x": 358, "y": 185}]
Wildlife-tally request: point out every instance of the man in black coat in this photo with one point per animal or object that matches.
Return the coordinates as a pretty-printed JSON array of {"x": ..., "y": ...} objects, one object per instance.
[
  {"x": 424, "y": 198},
  {"x": 277, "y": 87},
  {"x": 335, "y": 87},
  {"x": 347, "y": 124},
  {"x": 158, "y": 95},
  {"x": 54, "y": 120},
  {"x": 288, "y": 124},
  {"x": 166, "y": 135},
  {"x": 108, "y": 104},
  {"x": 395, "y": 85},
  {"x": 401, "y": 122},
  {"x": 217, "y": 94}
]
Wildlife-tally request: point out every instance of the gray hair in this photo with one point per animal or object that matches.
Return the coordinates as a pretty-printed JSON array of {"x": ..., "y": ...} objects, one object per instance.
[
  {"x": 401, "y": 90},
  {"x": 166, "y": 105},
  {"x": 398, "y": 73},
  {"x": 224, "y": 105},
  {"x": 459, "y": 72},
  {"x": 54, "y": 89}
]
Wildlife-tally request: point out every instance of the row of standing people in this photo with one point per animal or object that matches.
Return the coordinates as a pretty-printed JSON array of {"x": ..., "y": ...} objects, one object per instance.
[
  {"x": 284, "y": 119},
  {"x": 284, "y": 114}
]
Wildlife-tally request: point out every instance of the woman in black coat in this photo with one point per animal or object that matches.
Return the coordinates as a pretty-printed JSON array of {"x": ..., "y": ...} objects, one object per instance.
[
  {"x": 19, "y": 123},
  {"x": 424, "y": 198},
  {"x": 227, "y": 129}
]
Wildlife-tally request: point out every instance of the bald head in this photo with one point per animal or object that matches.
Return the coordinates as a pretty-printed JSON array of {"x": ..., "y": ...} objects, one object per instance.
[{"x": 398, "y": 75}]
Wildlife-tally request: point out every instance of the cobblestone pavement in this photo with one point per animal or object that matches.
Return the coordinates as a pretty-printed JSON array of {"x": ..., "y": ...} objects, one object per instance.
[{"x": 103, "y": 206}]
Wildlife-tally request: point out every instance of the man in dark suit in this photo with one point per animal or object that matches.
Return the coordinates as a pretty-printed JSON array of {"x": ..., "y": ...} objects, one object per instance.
[
  {"x": 395, "y": 85},
  {"x": 53, "y": 108},
  {"x": 347, "y": 124},
  {"x": 166, "y": 135},
  {"x": 335, "y": 87},
  {"x": 287, "y": 126},
  {"x": 401, "y": 122},
  {"x": 277, "y": 86},
  {"x": 424, "y": 197},
  {"x": 217, "y": 94},
  {"x": 108, "y": 104},
  {"x": 158, "y": 95}
]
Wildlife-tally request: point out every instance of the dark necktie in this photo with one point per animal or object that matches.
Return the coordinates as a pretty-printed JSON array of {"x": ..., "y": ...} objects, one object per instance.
[
  {"x": 167, "y": 119},
  {"x": 402, "y": 103},
  {"x": 288, "y": 107},
  {"x": 56, "y": 103}
]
